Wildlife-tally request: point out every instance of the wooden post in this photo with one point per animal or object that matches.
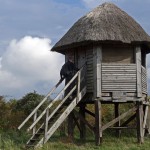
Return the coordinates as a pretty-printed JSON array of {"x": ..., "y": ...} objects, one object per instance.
[
  {"x": 97, "y": 59},
  {"x": 118, "y": 131},
  {"x": 145, "y": 119},
  {"x": 78, "y": 88},
  {"x": 139, "y": 77},
  {"x": 34, "y": 119},
  {"x": 70, "y": 126},
  {"x": 139, "y": 115},
  {"x": 98, "y": 123},
  {"x": 46, "y": 124},
  {"x": 82, "y": 124}
]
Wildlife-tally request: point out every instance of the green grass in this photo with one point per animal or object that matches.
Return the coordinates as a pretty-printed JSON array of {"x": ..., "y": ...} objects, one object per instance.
[
  {"x": 109, "y": 143},
  {"x": 15, "y": 141}
]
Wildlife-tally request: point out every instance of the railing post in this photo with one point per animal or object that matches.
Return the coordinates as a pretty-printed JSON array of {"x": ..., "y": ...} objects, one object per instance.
[
  {"x": 46, "y": 124},
  {"x": 34, "y": 119},
  {"x": 78, "y": 87}
]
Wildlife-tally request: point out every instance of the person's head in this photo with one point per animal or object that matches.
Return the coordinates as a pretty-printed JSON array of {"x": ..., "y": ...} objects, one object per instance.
[{"x": 70, "y": 56}]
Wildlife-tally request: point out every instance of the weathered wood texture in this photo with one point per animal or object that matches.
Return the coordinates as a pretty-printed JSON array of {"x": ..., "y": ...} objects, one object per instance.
[
  {"x": 139, "y": 76},
  {"x": 117, "y": 54},
  {"x": 117, "y": 124},
  {"x": 98, "y": 122},
  {"x": 82, "y": 124},
  {"x": 144, "y": 80},
  {"x": 89, "y": 65},
  {"x": 145, "y": 118},
  {"x": 148, "y": 120},
  {"x": 118, "y": 74},
  {"x": 97, "y": 59},
  {"x": 70, "y": 126},
  {"x": 118, "y": 77},
  {"x": 81, "y": 57},
  {"x": 139, "y": 116},
  {"x": 122, "y": 116}
]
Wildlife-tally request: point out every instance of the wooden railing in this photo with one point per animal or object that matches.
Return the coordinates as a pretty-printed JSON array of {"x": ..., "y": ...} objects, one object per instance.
[
  {"x": 119, "y": 77},
  {"x": 76, "y": 79},
  {"x": 144, "y": 80},
  {"x": 34, "y": 112}
]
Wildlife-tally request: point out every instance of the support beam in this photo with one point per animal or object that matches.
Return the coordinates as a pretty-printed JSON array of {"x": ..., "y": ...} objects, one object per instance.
[
  {"x": 82, "y": 124},
  {"x": 139, "y": 116},
  {"x": 76, "y": 122},
  {"x": 139, "y": 76},
  {"x": 85, "y": 121},
  {"x": 70, "y": 126},
  {"x": 117, "y": 124},
  {"x": 98, "y": 122},
  {"x": 119, "y": 118},
  {"x": 34, "y": 119},
  {"x": 129, "y": 120},
  {"x": 90, "y": 113},
  {"x": 145, "y": 119},
  {"x": 97, "y": 60}
]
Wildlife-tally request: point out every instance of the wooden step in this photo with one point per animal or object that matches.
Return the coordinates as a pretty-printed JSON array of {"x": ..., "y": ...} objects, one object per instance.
[
  {"x": 41, "y": 129},
  {"x": 39, "y": 133},
  {"x": 34, "y": 139},
  {"x": 30, "y": 146}
]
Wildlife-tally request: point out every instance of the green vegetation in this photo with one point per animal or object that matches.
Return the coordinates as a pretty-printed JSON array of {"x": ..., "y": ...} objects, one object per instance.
[
  {"x": 15, "y": 141},
  {"x": 13, "y": 112}
]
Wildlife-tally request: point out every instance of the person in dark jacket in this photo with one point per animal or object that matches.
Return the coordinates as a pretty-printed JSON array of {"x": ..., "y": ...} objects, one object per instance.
[{"x": 67, "y": 71}]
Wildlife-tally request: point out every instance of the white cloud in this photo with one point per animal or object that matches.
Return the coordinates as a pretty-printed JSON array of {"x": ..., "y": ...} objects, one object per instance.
[{"x": 27, "y": 64}]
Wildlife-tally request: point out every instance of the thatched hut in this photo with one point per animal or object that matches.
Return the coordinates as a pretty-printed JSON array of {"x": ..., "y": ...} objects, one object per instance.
[
  {"x": 110, "y": 47},
  {"x": 113, "y": 46},
  {"x": 115, "y": 38}
]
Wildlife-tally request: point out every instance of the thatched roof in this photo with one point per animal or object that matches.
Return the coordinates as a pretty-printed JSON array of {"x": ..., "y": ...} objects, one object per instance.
[{"x": 105, "y": 23}]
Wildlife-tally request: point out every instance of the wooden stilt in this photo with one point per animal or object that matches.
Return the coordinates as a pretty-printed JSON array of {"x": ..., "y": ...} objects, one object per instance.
[
  {"x": 82, "y": 124},
  {"x": 98, "y": 123},
  {"x": 63, "y": 129},
  {"x": 145, "y": 119},
  {"x": 139, "y": 115},
  {"x": 117, "y": 124},
  {"x": 70, "y": 126}
]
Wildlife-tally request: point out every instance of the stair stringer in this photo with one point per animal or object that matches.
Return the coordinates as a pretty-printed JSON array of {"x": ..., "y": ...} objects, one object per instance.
[{"x": 64, "y": 115}]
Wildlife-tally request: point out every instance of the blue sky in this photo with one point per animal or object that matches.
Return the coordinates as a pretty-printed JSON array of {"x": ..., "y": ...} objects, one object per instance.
[{"x": 29, "y": 28}]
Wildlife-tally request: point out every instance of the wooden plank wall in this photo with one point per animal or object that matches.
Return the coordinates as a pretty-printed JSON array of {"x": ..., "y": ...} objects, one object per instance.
[
  {"x": 97, "y": 59},
  {"x": 144, "y": 80},
  {"x": 138, "y": 68},
  {"x": 118, "y": 77},
  {"x": 89, "y": 64},
  {"x": 81, "y": 57},
  {"x": 117, "y": 54}
]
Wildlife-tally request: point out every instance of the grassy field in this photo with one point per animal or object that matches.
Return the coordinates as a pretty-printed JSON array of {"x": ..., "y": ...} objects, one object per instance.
[{"x": 16, "y": 141}]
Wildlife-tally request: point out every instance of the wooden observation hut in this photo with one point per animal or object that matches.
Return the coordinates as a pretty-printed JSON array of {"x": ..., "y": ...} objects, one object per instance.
[
  {"x": 113, "y": 46},
  {"x": 109, "y": 47}
]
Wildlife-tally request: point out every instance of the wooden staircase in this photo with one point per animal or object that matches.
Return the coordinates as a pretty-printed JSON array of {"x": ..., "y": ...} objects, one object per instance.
[{"x": 49, "y": 121}]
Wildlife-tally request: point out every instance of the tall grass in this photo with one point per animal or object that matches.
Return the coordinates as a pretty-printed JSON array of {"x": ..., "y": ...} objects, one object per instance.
[{"x": 13, "y": 140}]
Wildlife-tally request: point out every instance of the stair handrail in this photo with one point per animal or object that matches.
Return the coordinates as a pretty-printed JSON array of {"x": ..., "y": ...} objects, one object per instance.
[
  {"x": 55, "y": 109},
  {"x": 81, "y": 94},
  {"x": 51, "y": 104},
  {"x": 53, "y": 89},
  {"x": 40, "y": 104},
  {"x": 64, "y": 99}
]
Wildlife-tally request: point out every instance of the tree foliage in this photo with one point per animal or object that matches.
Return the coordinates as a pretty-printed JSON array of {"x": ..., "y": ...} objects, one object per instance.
[
  {"x": 13, "y": 112},
  {"x": 29, "y": 102}
]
